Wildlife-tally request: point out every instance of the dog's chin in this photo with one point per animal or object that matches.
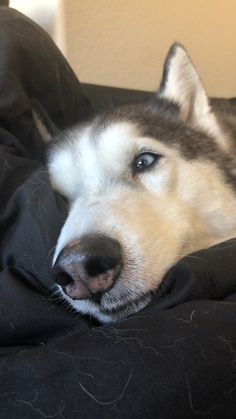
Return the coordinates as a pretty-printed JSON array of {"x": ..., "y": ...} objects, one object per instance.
[{"x": 107, "y": 309}]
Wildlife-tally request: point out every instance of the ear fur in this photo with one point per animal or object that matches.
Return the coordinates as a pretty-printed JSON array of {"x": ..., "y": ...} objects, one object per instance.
[{"x": 182, "y": 85}]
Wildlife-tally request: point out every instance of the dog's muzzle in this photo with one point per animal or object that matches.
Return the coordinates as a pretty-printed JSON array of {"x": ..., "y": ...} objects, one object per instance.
[{"x": 87, "y": 268}]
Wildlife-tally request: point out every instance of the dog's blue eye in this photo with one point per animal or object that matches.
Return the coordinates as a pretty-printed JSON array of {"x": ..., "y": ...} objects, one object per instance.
[{"x": 145, "y": 161}]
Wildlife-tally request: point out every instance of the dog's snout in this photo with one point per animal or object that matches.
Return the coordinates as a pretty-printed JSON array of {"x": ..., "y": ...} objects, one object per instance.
[{"x": 89, "y": 266}]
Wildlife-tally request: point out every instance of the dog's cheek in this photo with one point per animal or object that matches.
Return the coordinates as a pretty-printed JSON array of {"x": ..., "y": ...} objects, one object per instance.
[
  {"x": 162, "y": 178},
  {"x": 152, "y": 233}
]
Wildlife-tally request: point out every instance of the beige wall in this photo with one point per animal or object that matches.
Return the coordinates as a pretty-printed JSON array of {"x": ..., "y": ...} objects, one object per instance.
[{"x": 124, "y": 42}]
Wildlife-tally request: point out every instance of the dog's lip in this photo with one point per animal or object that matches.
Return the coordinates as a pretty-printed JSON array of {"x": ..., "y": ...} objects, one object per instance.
[
  {"x": 144, "y": 298},
  {"x": 121, "y": 310}
]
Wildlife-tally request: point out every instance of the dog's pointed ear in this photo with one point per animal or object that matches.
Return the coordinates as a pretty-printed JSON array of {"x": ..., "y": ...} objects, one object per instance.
[{"x": 182, "y": 85}]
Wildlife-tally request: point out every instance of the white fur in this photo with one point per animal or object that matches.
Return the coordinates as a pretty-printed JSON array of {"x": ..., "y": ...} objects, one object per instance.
[{"x": 159, "y": 216}]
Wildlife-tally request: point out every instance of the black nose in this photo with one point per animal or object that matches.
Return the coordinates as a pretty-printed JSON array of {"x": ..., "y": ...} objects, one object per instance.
[{"x": 89, "y": 266}]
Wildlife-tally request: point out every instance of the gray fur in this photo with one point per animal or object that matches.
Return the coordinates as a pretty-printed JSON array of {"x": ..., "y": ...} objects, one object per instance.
[
  {"x": 160, "y": 119},
  {"x": 200, "y": 209}
]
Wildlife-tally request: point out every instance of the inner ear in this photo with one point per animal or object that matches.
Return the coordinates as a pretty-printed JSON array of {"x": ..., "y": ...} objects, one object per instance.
[{"x": 182, "y": 85}]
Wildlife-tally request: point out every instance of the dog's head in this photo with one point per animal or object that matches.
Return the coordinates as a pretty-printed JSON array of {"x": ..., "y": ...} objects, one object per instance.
[{"x": 145, "y": 187}]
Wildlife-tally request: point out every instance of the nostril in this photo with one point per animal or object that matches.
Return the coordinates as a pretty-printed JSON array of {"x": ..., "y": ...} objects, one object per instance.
[
  {"x": 88, "y": 267},
  {"x": 98, "y": 265},
  {"x": 62, "y": 278}
]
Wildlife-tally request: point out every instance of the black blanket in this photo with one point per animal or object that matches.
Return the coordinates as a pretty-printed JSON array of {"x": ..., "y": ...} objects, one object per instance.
[{"x": 175, "y": 359}]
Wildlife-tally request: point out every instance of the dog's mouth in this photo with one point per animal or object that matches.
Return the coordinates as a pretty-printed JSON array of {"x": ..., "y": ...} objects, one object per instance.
[
  {"x": 121, "y": 310},
  {"x": 100, "y": 277},
  {"x": 108, "y": 308}
]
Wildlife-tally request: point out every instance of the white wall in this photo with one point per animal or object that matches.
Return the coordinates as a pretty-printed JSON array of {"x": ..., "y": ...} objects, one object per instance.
[{"x": 43, "y": 12}]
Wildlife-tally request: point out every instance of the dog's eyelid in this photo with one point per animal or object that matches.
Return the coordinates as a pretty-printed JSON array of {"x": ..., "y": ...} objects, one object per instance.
[{"x": 143, "y": 150}]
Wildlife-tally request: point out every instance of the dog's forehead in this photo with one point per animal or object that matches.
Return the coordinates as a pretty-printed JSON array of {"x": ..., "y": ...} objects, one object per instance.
[
  {"x": 91, "y": 158},
  {"x": 108, "y": 150},
  {"x": 116, "y": 143},
  {"x": 160, "y": 121}
]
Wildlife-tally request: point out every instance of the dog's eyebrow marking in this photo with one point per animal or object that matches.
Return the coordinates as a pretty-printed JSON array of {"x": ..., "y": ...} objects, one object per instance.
[
  {"x": 119, "y": 131},
  {"x": 116, "y": 148}
]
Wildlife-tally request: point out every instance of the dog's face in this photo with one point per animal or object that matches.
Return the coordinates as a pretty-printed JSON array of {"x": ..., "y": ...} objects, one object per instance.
[{"x": 145, "y": 187}]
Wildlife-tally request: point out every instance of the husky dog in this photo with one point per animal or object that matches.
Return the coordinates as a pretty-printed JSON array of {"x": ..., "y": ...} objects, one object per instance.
[{"x": 147, "y": 184}]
